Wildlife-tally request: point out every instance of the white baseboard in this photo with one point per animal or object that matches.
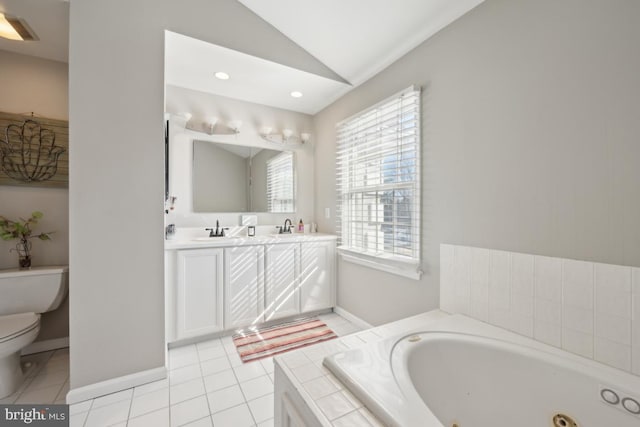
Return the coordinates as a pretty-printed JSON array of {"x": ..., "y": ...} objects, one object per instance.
[
  {"x": 352, "y": 318},
  {"x": 113, "y": 385},
  {"x": 46, "y": 345}
]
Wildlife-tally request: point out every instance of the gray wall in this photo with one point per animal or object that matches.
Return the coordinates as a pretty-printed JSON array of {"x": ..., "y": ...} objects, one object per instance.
[
  {"x": 116, "y": 105},
  {"x": 531, "y": 120},
  {"x": 221, "y": 187},
  {"x": 39, "y": 85}
]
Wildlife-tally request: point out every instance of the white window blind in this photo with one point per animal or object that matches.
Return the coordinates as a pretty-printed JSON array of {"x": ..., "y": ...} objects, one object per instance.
[
  {"x": 280, "y": 183},
  {"x": 378, "y": 179}
]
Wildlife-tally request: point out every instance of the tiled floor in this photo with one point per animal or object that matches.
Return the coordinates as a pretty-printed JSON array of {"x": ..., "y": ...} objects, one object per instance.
[
  {"x": 208, "y": 385},
  {"x": 47, "y": 379}
]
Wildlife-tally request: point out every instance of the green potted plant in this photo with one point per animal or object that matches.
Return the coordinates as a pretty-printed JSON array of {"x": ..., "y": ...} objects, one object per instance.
[{"x": 22, "y": 230}]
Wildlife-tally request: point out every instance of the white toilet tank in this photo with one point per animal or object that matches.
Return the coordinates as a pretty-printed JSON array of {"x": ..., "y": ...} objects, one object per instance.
[{"x": 37, "y": 290}]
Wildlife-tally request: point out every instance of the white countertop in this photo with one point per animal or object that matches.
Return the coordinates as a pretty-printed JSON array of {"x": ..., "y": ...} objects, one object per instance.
[{"x": 218, "y": 242}]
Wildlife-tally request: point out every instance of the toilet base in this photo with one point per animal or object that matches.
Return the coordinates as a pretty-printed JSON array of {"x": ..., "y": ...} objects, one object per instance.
[{"x": 11, "y": 376}]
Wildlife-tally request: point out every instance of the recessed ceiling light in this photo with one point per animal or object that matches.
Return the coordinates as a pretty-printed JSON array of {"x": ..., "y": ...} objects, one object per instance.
[
  {"x": 13, "y": 28},
  {"x": 221, "y": 75},
  {"x": 296, "y": 94}
]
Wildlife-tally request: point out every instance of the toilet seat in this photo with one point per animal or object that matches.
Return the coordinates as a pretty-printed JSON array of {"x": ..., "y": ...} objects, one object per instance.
[{"x": 15, "y": 325}]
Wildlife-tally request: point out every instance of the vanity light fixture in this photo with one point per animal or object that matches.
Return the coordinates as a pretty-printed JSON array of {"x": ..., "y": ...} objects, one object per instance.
[
  {"x": 13, "y": 28},
  {"x": 235, "y": 125},
  {"x": 296, "y": 94},
  {"x": 221, "y": 75},
  {"x": 286, "y": 137}
]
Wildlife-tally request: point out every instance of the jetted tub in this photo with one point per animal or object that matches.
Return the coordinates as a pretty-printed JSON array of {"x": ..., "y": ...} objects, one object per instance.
[{"x": 464, "y": 373}]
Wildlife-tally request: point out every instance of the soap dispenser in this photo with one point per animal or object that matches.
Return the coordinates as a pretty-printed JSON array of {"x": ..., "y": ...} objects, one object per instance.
[{"x": 300, "y": 226}]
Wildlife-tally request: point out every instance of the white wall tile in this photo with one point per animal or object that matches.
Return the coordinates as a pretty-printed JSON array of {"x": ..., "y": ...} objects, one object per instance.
[
  {"x": 548, "y": 311},
  {"x": 578, "y": 319},
  {"x": 635, "y": 325},
  {"x": 613, "y": 328},
  {"x": 589, "y": 309},
  {"x": 615, "y": 278},
  {"x": 612, "y": 354},
  {"x": 577, "y": 342},
  {"x": 548, "y": 278},
  {"x": 480, "y": 260},
  {"x": 522, "y": 305},
  {"x": 547, "y": 332},
  {"x": 577, "y": 283},
  {"x": 522, "y": 274},
  {"x": 635, "y": 274},
  {"x": 522, "y": 325},
  {"x": 616, "y": 304}
]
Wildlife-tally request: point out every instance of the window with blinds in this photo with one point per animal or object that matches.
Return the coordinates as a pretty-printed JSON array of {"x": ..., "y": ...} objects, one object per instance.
[
  {"x": 378, "y": 179},
  {"x": 280, "y": 183}
]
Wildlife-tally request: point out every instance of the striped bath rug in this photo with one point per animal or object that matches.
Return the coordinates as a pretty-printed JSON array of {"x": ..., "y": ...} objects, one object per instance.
[{"x": 258, "y": 343}]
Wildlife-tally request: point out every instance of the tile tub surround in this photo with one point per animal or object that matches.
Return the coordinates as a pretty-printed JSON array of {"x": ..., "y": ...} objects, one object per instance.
[
  {"x": 208, "y": 385},
  {"x": 329, "y": 401},
  {"x": 586, "y": 308}
]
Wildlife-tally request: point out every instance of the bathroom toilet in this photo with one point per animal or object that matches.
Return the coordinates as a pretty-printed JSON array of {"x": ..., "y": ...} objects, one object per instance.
[{"x": 24, "y": 294}]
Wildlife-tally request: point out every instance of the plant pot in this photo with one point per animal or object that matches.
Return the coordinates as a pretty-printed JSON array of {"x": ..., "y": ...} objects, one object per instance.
[{"x": 24, "y": 261}]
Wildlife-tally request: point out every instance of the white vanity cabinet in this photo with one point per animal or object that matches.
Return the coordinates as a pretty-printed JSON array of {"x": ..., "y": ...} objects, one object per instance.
[
  {"x": 243, "y": 286},
  {"x": 282, "y": 296},
  {"x": 228, "y": 284},
  {"x": 199, "y": 292},
  {"x": 317, "y": 275}
]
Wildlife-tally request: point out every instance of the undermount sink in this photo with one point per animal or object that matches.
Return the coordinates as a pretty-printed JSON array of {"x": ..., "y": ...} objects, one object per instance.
[
  {"x": 285, "y": 235},
  {"x": 214, "y": 239}
]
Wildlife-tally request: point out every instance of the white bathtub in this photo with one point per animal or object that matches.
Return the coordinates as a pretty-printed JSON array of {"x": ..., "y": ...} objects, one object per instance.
[{"x": 458, "y": 371}]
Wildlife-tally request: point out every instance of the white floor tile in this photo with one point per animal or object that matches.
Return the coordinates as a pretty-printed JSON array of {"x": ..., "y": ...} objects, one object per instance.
[
  {"x": 43, "y": 395},
  {"x": 189, "y": 411},
  {"x": 238, "y": 416},
  {"x": 149, "y": 402},
  {"x": 209, "y": 353},
  {"x": 149, "y": 387},
  {"x": 225, "y": 398},
  {"x": 210, "y": 343},
  {"x": 185, "y": 374},
  {"x": 257, "y": 387},
  {"x": 220, "y": 380},
  {"x": 185, "y": 391},
  {"x": 109, "y": 414},
  {"x": 158, "y": 418},
  {"x": 267, "y": 364},
  {"x": 176, "y": 362},
  {"x": 214, "y": 366},
  {"x": 112, "y": 398},
  {"x": 62, "y": 394},
  {"x": 202, "y": 422},
  {"x": 249, "y": 371},
  {"x": 43, "y": 380},
  {"x": 267, "y": 423},
  {"x": 262, "y": 408}
]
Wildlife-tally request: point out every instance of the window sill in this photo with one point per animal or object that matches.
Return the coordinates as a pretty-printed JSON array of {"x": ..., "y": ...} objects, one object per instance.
[{"x": 393, "y": 265}]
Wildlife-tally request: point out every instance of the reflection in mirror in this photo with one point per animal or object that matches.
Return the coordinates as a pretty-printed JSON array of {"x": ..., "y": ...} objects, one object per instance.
[{"x": 235, "y": 178}]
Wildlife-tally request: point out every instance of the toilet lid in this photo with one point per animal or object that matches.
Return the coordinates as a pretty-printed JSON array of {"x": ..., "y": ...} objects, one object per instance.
[{"x": 17, "y": 324}]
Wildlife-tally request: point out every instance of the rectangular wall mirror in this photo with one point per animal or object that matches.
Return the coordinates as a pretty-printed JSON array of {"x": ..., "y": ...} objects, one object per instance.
[{"x": 236, "y": 178}]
